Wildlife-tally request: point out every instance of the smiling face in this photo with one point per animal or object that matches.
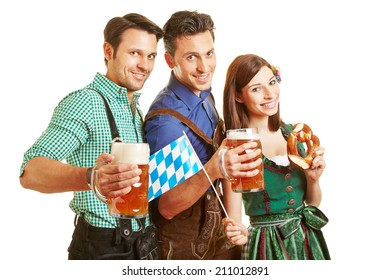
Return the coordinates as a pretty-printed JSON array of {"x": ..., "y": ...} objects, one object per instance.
[
  {"x": 131, "y": 64},
  {"x": 261, "y": 94},
  {"x": 194, "y": 61}
]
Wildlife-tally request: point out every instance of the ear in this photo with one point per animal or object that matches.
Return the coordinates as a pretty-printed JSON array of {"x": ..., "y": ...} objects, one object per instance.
[
  {"x": 108, "y": 51},
  {"x": 238, "y": 99},
  {"x": 169, "y": 60}
]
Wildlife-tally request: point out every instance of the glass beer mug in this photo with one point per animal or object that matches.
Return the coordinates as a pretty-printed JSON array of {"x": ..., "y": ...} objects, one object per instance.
[
  {"x": 235, "y": 138},
  {"x": 135, "y": 203}
]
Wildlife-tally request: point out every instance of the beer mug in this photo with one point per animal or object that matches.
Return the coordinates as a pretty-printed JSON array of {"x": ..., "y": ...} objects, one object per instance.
[
  {"x": 135, "y": 203},
  {"x": 235, "y": 138}
]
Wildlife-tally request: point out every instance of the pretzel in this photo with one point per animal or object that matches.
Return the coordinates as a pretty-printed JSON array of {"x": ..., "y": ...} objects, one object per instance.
[{"x": 301, "y": 133}]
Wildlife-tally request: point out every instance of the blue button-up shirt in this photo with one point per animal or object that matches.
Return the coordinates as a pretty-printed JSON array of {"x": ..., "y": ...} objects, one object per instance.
[{"x": 163, "y": 129}]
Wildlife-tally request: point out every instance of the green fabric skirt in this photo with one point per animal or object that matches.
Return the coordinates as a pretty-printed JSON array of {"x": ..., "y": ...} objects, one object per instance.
[{"x": 290, "y": 236}]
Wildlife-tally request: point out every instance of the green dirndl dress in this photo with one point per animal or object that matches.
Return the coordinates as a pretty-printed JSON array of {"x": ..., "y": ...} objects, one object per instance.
[{"x": 281, "y": 226}]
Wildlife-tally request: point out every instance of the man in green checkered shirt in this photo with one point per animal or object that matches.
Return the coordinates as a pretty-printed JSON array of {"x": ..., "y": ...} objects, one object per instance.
[{"x": 79, "y": 133}]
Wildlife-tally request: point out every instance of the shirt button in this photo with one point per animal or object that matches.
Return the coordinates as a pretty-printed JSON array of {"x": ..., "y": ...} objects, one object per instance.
[
  {"x": 290, "y": 210},
  {"x": 126, "y": 232},
  {"x": 289, "y": 189},
  {"x": 208, "y": 196},
  {"x": 291, "y": 202},
  {"x": 287, "y": 176},
  {"x": 125, "y": 107}
]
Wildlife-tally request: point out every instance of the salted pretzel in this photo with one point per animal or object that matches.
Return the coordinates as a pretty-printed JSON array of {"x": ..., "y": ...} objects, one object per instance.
[{"x": 301, "y": 133}]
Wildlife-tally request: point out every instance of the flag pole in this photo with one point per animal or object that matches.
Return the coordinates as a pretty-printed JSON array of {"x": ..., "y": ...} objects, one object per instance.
[{"x": 207, "y": 175}]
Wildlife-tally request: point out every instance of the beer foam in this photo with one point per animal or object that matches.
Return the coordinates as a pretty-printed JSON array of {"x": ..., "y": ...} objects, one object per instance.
[
  {"x": 240, "y": 135},
  {"x": 130, "y": 152}
]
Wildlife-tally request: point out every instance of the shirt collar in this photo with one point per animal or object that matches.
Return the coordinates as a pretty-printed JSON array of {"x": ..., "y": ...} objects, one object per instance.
[
  {"x": 183, "y": 93},
  {"x": 110, "y": 89}
]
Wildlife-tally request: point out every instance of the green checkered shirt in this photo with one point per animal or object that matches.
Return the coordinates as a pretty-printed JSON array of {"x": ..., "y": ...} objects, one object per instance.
[{"x": 79, "y": 132}]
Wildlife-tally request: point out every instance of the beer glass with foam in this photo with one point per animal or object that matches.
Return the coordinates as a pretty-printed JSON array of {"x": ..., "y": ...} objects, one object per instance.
[
  {"x": 135, "y": 203},
  {"x": 235, "y": 138}
]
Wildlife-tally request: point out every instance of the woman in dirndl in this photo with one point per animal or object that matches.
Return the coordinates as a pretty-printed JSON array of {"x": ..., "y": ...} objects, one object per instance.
[{"x": 285, "y": 221}]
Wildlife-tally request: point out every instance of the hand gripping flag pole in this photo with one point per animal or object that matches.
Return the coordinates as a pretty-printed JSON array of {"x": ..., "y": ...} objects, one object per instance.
[{"x": 173, "y": 164}]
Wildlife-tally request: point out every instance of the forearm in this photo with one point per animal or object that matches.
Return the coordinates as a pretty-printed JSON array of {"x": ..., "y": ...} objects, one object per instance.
[
  {"x": 232, "y": 202},
  {"x": 313, "y": 174},
  {"x": 51, "y": 176},
  {"x": 313, "y": 193},
  {"x": 184, "y": 195},
  {"x": 187, "y": 193}
]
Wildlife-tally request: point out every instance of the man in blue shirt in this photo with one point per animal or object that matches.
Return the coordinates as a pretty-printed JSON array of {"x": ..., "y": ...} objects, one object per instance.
[{"x": 189, "y": 216}]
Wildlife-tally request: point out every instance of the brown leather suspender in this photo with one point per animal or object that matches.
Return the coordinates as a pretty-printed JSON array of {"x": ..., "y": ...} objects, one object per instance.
[{"x": 181, "y": 118}]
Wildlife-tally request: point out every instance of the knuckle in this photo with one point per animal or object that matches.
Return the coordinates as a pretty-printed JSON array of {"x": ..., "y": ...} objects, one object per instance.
[{"x": 117, "y": 177}]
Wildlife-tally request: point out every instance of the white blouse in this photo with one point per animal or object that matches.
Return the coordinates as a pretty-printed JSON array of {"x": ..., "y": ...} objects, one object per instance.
[{"x": 281, "y": 160}]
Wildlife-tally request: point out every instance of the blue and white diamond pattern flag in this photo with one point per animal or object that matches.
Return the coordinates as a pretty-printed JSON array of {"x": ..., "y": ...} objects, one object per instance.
[{"x": 171, "y": 165}]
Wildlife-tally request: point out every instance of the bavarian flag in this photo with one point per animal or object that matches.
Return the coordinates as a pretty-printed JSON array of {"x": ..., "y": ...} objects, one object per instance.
[{"x": 172, "y": 165}]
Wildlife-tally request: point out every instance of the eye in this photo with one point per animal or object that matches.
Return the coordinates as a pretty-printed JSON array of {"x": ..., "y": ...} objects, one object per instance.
[
  {"x": 134, "y": 53},
  {"x": 273, "y": 81},
  {"x": 210, "y": 53},
  {"x": 256, "y": 89},
  {"x": 191, "y": 57},
  {"x": 152, "y": 56}
]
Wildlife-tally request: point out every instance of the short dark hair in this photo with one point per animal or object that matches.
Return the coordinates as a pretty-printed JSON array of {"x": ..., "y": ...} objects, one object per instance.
[
  {"x": 118, "y": 25},
  {"x": 185, "y": 23}
]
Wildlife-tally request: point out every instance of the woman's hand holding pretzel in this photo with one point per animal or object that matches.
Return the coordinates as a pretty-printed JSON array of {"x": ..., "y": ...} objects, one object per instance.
[
  {"x": 317, "y": 166},
  {"x": 314, "y": 163}
]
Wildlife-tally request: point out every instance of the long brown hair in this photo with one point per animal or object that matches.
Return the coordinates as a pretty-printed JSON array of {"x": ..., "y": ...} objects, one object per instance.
[{"x": 239, "y": 74}]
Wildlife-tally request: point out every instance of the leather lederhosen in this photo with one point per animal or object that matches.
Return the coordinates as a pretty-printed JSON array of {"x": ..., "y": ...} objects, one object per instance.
[{"x": 196, "y": 233}]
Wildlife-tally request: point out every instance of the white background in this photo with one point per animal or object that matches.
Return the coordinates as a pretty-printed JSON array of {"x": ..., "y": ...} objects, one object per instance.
[{"x": 334, "y": 57}]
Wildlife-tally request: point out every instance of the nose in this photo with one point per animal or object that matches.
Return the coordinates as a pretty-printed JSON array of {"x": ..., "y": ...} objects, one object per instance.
[
  {"x": 145, "y": 63},
  {"x": 202, "y": 65},
  {"x": 268, "y": 93}
]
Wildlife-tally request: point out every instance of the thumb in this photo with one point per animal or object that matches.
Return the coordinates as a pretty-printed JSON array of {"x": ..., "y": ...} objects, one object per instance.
[{"x": 104, "y": 158}]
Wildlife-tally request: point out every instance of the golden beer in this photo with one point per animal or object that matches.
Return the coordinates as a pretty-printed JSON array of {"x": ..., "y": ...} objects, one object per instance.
[
  {"x": 235, "y": 138},
  {"x": 135, "y": 203}
]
